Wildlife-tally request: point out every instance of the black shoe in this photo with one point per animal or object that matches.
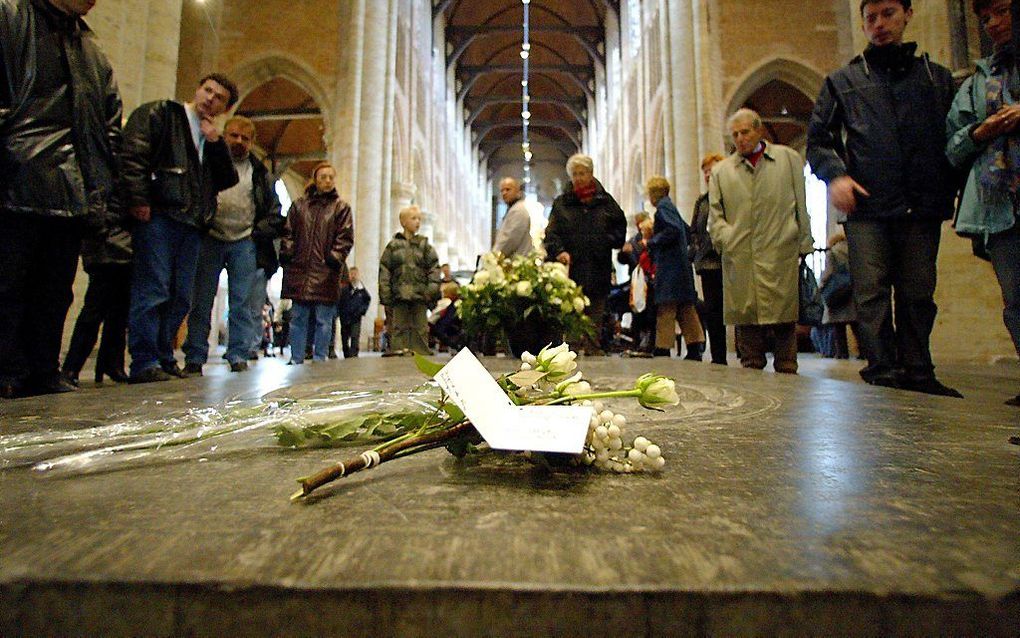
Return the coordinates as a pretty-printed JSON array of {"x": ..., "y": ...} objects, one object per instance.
[
  {"x": 71, "y": 377},
  {"x": 150, "y": 375},
  {"x": 930, "y": 386},
  {"x": 239, "y": 366},
  {"x": 661, "y": 352},
  {"x": 332, "y": 355},
  {"x": 694, "y": 351},
  {"x": 55, "y": 384},
  {"x": 884, "y": 379},
  {"x": 253, "y": 356},
  {"x": 10, "y": 391},
  {"x": 172, "y": 369},
  {"x": 1015, "y": 401},
  {"x": 191, "y": 370},
  {"x": 117, "y": 375}
]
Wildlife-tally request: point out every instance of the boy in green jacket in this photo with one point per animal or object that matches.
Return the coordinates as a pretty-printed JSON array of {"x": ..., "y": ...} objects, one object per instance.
[{"x": 408, "y": 285}]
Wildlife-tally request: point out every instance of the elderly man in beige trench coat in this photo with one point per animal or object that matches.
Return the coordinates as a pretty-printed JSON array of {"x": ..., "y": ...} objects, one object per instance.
[{"x": 759, "y": 224}]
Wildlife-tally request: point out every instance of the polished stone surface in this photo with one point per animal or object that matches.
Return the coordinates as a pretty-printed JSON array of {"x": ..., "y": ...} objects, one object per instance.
[{"x": 807, "y": 505}]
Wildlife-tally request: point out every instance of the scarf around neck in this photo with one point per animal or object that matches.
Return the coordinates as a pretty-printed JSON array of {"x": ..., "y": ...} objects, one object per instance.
[
  {"x": 586, "y": 193},
  {"x": 999, "y": 164}
]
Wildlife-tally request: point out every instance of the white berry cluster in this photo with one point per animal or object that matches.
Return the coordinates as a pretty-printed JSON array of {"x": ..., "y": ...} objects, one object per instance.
[{"x": 605, "y": 450}]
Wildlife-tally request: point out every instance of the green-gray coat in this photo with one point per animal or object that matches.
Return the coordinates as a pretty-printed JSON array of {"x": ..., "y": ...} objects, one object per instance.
[
  {"x": 759, "y": 223},
  {"x": 409, "y": 271}
]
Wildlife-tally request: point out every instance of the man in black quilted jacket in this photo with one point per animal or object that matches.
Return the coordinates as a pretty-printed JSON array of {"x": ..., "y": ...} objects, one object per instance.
[{"x": 876, "y": 137}]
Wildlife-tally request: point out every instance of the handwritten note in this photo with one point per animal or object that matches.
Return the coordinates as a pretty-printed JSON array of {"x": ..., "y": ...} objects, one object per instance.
[{"x": 506, "y": 426}]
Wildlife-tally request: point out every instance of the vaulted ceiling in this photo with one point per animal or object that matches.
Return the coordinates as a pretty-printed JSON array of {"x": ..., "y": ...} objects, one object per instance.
[{"x": 484, "y": 39}]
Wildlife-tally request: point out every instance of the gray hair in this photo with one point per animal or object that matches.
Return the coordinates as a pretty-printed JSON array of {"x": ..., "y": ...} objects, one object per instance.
[
  {"x": 580, "y": 159},
  {"x": 516, "y": 182},
  {"x": 744, "y": 114}
]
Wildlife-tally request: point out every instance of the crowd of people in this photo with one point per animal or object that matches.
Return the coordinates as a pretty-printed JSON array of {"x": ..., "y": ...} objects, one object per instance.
[{"x": 160, "y": 207}]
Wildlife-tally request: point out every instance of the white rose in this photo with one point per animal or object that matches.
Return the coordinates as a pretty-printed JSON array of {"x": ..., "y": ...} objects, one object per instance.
[
  {"x": 578, "y": 305},
  {"x": 523, "y": 288}
]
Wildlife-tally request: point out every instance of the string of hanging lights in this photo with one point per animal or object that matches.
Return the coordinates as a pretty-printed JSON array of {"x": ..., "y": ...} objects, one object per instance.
[{"x": 525, "y": 96}]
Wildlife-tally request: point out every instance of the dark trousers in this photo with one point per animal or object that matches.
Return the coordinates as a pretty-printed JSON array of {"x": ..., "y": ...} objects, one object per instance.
[
  {"x": 712, "y": 313},
  {"x": 752, "y": 344},
  {"x": 1004, "y": 249},
  {"x": 350, "y": 335},
  {"x": 107, "y": 301},
  {"x": 894, "y": 260},
  {"x": 38, "y": 262},
  {"x": 166, "y": 257}
]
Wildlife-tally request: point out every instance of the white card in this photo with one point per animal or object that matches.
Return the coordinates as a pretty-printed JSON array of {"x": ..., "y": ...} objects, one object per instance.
[{"x": 506, "y": 426}]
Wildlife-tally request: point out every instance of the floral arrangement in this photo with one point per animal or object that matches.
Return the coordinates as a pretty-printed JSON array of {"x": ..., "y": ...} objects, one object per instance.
[
  {"x": 548, "y": 378},
  {"x": 506, "y": 293}
]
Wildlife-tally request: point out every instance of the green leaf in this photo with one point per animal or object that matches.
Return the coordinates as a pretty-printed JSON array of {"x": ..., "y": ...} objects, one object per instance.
[
  {"x": 527, "y": 378},
  {"x": 428, "y": 368},
  {"x": 455, "y": 413}
]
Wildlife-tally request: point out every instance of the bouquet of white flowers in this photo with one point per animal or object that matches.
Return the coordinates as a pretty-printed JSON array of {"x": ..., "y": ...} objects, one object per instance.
[
  {"x": 549, "y": 378},
  {"x": 524, "y": 295}
]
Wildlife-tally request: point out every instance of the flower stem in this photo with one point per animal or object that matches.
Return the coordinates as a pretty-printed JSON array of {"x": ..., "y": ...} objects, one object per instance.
[
  {"x": 408, "y": 444},
  {"x": 617, "y": 394}
]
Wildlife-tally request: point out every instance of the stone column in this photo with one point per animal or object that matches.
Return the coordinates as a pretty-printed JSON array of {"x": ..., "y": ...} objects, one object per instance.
[
  {"x": 141, "y": 38},
  {"x": 682, "y": 82},
  {"x": 347, "y": 98},
  {"x": 709, "y": 62},
  {"x": 375, "y": 80}
]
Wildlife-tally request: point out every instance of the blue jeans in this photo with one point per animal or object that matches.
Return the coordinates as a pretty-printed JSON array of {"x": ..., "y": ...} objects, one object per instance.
[
  {"x": 325, "y": 313},
  {"x": 256, "y": 301},
  {"x": 238, "y": 257},
  {"x": 1004, "y": 249},
  {"x": 166, "y": 255}
]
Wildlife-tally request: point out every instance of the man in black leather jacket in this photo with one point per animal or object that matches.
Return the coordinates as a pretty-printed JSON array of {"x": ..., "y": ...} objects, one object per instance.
[
  {"x": 893, "y": 186},
  {"x": 174, "y": 164},
  {"x": 60, "y": 115}
]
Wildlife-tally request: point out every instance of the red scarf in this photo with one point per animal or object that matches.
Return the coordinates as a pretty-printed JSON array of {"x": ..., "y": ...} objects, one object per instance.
[
  {"x": 586, "y": 193},
  {"x": 756, "y": 154}
]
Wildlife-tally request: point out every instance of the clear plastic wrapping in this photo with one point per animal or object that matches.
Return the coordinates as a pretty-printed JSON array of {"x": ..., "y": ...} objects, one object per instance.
[{"x": 274, "y": 421}]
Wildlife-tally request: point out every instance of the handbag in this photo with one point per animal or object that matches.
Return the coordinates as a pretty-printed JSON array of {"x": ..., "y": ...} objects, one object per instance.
[
  {"x": 638, "y": 290},
  {"x": 838, "y": 288},
  {"x": 811, "y": 307}
]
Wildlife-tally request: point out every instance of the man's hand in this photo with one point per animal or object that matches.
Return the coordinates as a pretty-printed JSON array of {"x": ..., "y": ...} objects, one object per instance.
[
  {"x": 209, "y": 130},
  {"x": 1003, "y": 121},
  {"x": 141, "y": 213},
  {"x": 627, "y": 249},
  {"x": 563, "y": 258},
  {"x": 843, "y": 193}
]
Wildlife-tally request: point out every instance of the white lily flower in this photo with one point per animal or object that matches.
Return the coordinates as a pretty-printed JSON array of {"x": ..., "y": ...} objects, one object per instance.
[
  {"x": 656, "y": 391},
  {"x": 529, "y": 358},
  {"x": 558, "y": 362}
]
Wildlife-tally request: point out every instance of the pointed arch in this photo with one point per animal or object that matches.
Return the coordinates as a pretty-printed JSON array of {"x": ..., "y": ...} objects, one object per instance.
[
  {"x": 798, "y": 74},
  {"x": 276, "y": 64}
]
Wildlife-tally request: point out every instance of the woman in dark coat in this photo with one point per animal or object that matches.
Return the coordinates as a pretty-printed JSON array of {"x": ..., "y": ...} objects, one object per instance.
[
  {"x": 585, "y": 225},
  {"x": 675, "y": 294},
  {"x": 106, "y": 256},
  {"x": 316, "y": 239}
]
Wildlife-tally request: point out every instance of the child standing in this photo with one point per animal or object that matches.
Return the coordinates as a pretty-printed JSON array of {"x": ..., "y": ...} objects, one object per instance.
[{"x": 408, "y": 285}]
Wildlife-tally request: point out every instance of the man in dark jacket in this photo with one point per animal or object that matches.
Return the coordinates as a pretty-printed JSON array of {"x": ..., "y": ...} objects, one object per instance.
[
  {"x": 893, "y": 186},
  {"x": 60, "y": 116},
  {"x": 241, "y": 209},
  {"x": 585, "y": 225},
  {"x": 174, "y": 163}
]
